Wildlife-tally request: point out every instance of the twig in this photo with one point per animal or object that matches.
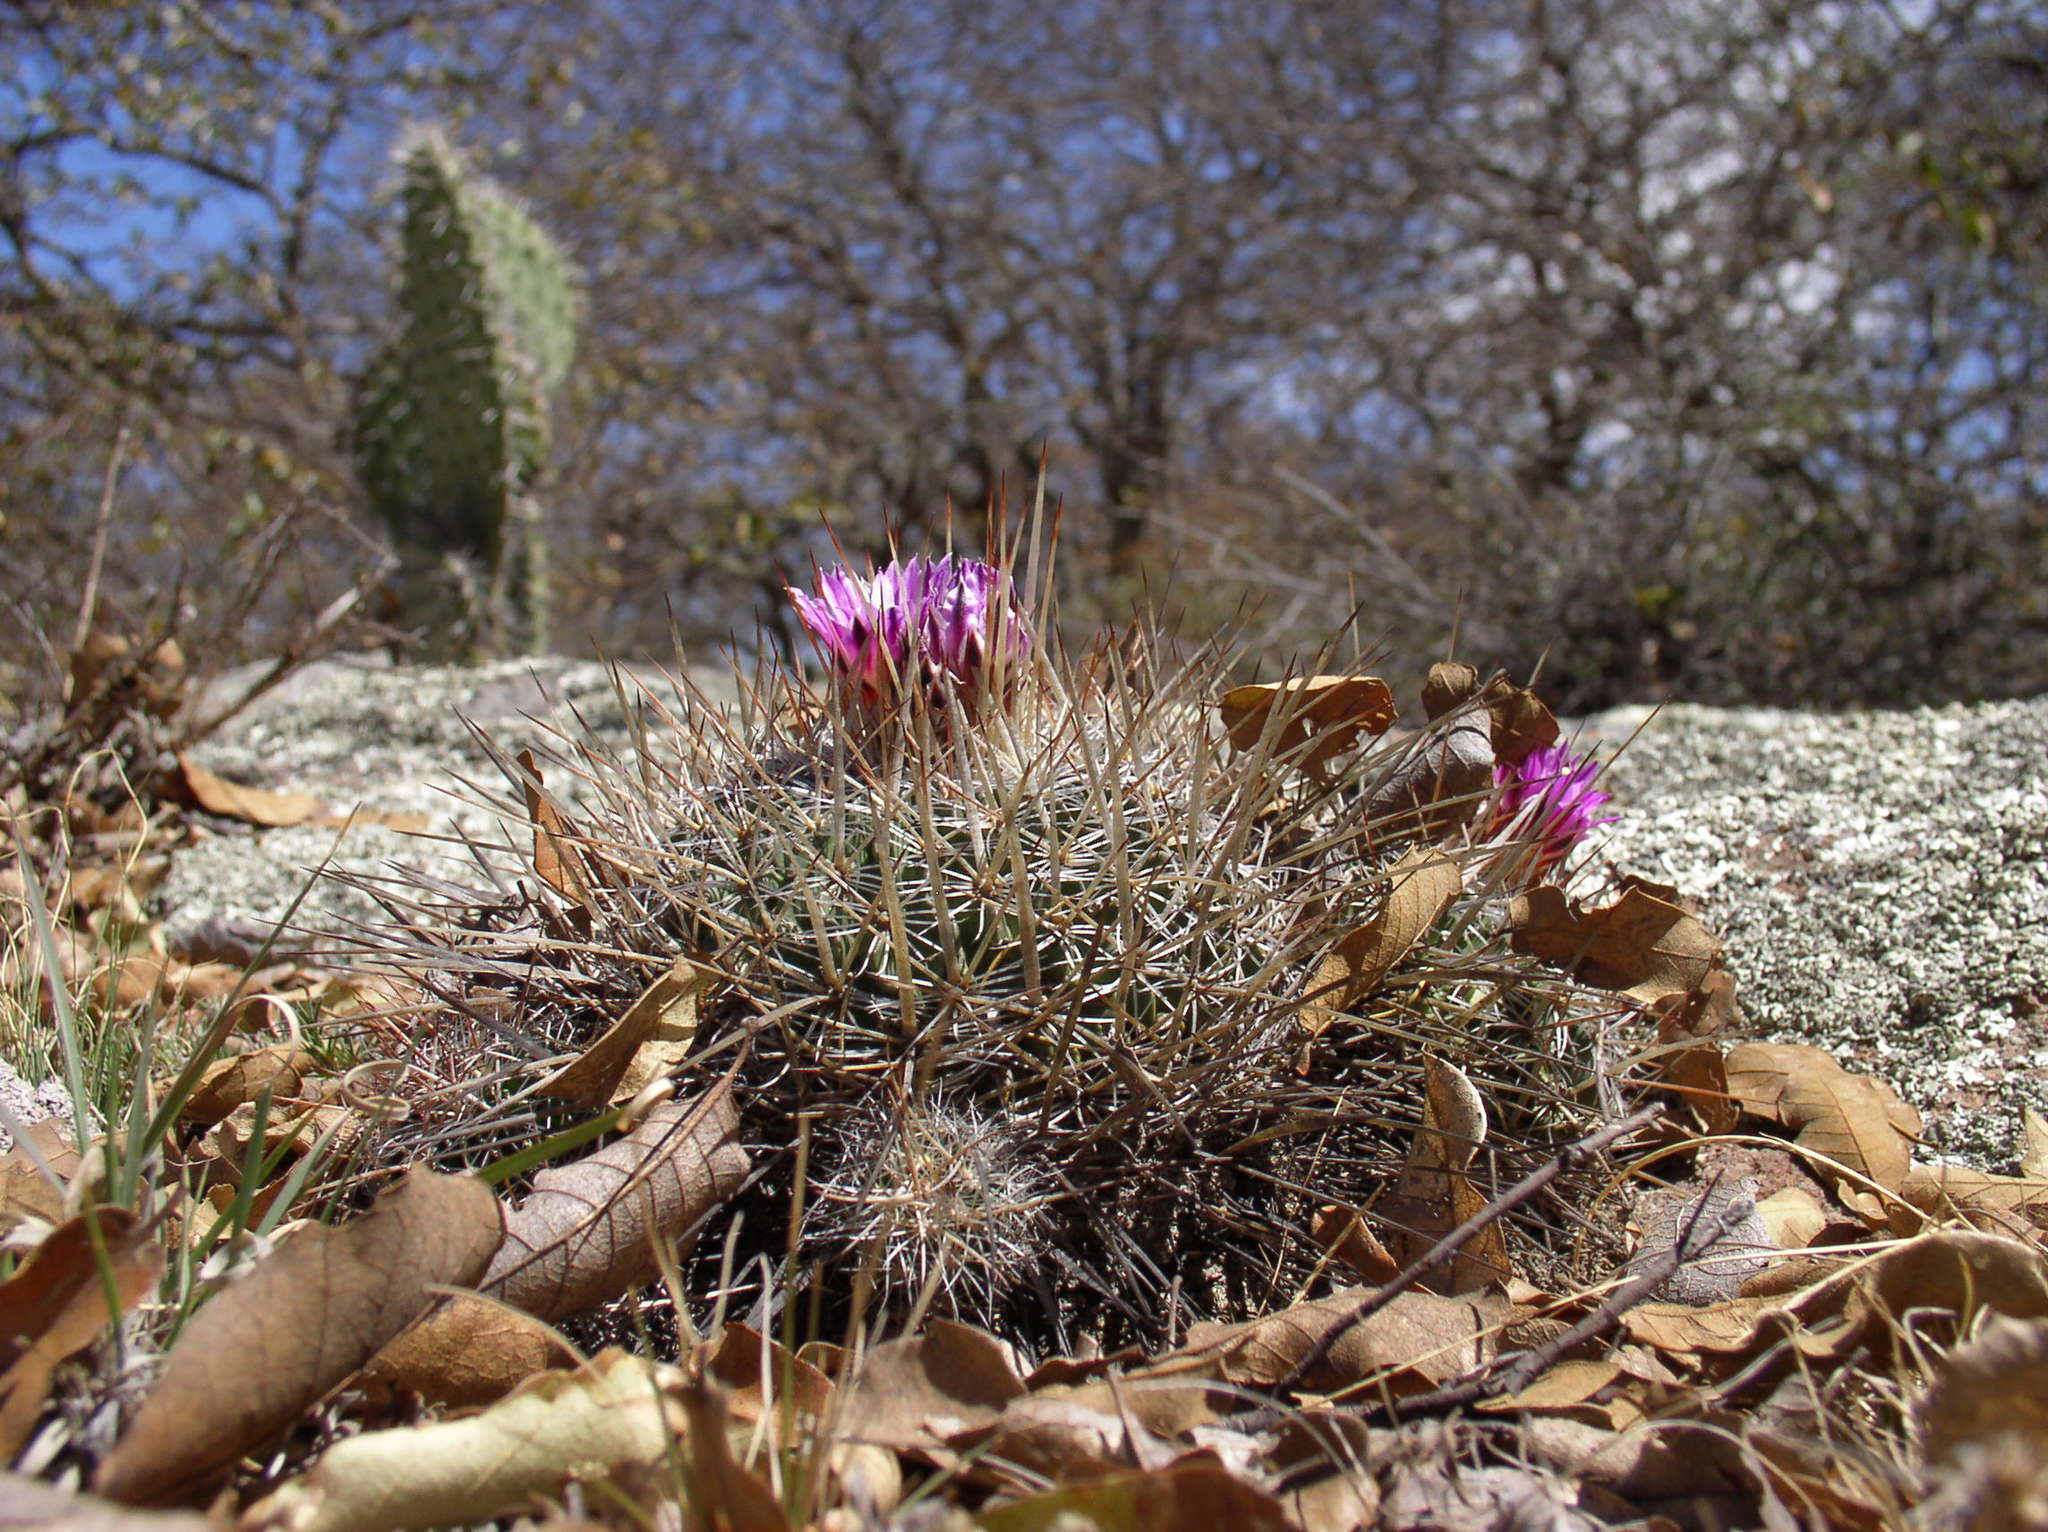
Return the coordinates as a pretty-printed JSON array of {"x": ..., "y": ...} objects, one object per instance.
[
  {"x": 103, "y": 518},
  {"x": 1533, "y": 1363},
  {"x": 1568, "y": 1158}
]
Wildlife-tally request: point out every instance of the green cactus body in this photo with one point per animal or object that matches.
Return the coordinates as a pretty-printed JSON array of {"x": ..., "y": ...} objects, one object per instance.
[
  {"x": 451, "y": 423},
  {"x": 1032, "y": 989}
]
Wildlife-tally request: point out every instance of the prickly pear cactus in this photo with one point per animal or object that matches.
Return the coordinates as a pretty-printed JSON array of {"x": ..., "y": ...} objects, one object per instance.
[{"x": 451, "y": 420}]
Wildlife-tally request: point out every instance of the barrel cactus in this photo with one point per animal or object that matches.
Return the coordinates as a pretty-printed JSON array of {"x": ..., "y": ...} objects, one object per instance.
[
  {"x": 451, "y": 417},
  {"x": 1023, "y": 959}
]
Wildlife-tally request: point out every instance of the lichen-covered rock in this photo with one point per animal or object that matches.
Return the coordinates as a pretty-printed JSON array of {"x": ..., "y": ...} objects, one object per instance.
[{"x": 1880, "y": 880}]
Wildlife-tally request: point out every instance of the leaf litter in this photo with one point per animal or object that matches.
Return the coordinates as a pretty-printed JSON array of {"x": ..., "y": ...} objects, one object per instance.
[{"x": 1858, "y": 1347}]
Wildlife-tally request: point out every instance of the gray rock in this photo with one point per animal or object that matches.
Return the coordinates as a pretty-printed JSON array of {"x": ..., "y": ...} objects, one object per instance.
[{"x": 1880, "y": 879}]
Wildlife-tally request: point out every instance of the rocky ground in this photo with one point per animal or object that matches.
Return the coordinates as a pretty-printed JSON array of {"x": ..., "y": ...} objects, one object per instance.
[{"x": 1880, "y": 879}]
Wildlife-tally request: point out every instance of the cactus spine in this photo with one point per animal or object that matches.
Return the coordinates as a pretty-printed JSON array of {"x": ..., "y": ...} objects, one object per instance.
[{"x": 451, "y": 419}]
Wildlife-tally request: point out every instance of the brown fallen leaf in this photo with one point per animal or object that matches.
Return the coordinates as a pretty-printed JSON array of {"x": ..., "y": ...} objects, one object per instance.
[
  {"x": 1942, "y": 1191},
  {"x": 1420, "y": 888},
  {"x": 469, "y": 1352},
  {"x": 724, "y": 1492},
  {"x": 1437, "y": 784},
  {"x": 194, "y": 786},
  {"x": 1061, "y": 1440},
  {"x": 587, "y": 1230},
  {"x": 557, "y": 860},
  {"x": 652, "y": 1037},
  {"x": 273, "y": 1343},
  {"x": 240, "y": 1079},
  {"x": 1344, "y": 1233},
  {"x": 28, "y": 1190},
  {"x": 1418, "y": 1340},
  {"x": 1331, "y": 711},
  {"x": 57, "y": 1304},
  {"x": 1189, "y": 1494},
  {"x": 1434, "y": 1195},
  {"x": 1956, "y": 1271},
  {"x": 1643, "y": 943},
  {"x": 912, "y": 1394},
  {"x": 762, "y": 1378},
  {"x": 1854, "y": 1120},
  {"x": 562, "y": 1427}
]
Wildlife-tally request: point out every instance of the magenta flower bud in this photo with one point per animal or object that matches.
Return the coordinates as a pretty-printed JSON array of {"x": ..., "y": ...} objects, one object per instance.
[
  {"x": 921, "y": 619},
  {"x": 1550, "y": 800}
]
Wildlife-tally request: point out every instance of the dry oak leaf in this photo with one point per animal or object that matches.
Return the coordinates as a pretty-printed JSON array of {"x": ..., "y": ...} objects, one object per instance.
[
  {"x": 1434, "y": 1194},
  {"x": 560, "y": 1427},
  {"x": 914, "y": 1393},
  {"x": 1643, "y": 944},
  {"x": 1943, "y": 1190},
  {"x": 273, "y": 1343},
  {"x": 587, "y": 1231},
  {"x": 556, "y": 858},
  {"x": 29, "y": 1189},
  {"x": 1438, "y": 782},
  {"x": 1062, "y": 1440},
  {"x": 240, "y": 1079},
  {"x": 646, "y": 1042},
  {"x": 1331, "y": 711},
  {"x": 1853, "y": 1120},
  {"x": 469, "y": 1352},
  {"x": 1419, "y": 1339},
  {"x": 1192, "y": 1493},
  {"x": 57, "y": 1304},
  {"x": 194, "y": 786},
  {"x": 1420, "y": 888}
]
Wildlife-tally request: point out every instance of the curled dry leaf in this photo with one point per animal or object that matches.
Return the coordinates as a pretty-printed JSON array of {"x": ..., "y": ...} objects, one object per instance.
[
  {"x": 724, "y": 1492},
  {"x": 914, "y": 1393},
  {"x": 1434, "y": 1194},
  {"x": 762, "y": 1377},
  {"x": 561, "y": 1427},
  {"x": 1942, "y": 1191},
  {"x": 587, "y": 1231},
  {"x": 1061, "y": 1440},
  {"x": 650, "y": 1039},
  {"x": 1690, "y": 1063},
  {"x": 1853, "y": 1120},
  {"x": 556, "y": 858},
  {"x": 1418, "y": 1340},
  {"x": 1957, "y": 1271},
  {"x": 194, "y": 786},
  {"x": 237, "y": 1081},
  {"x": 32, "y": 1190},
  {"x": 57, "y": 1304},
  {"x": 1644, "y": 943},
  {"x": 1331, "y": 711},
  {"x": 1420, "y": 888},
  {"x": 1194, "y": 1493},
  {"x": 1438, "y": 783},
  {"x": 469, "y": 1352},
  {"x": 1344, "y": 1233},
  {"x": 270, "y": 1345}
]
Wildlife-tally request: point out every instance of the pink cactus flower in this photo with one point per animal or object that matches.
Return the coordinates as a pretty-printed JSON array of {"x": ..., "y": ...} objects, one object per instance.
[
  {"x": 922, "y": 620},
  {"x": 1550, "y": 801}
]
